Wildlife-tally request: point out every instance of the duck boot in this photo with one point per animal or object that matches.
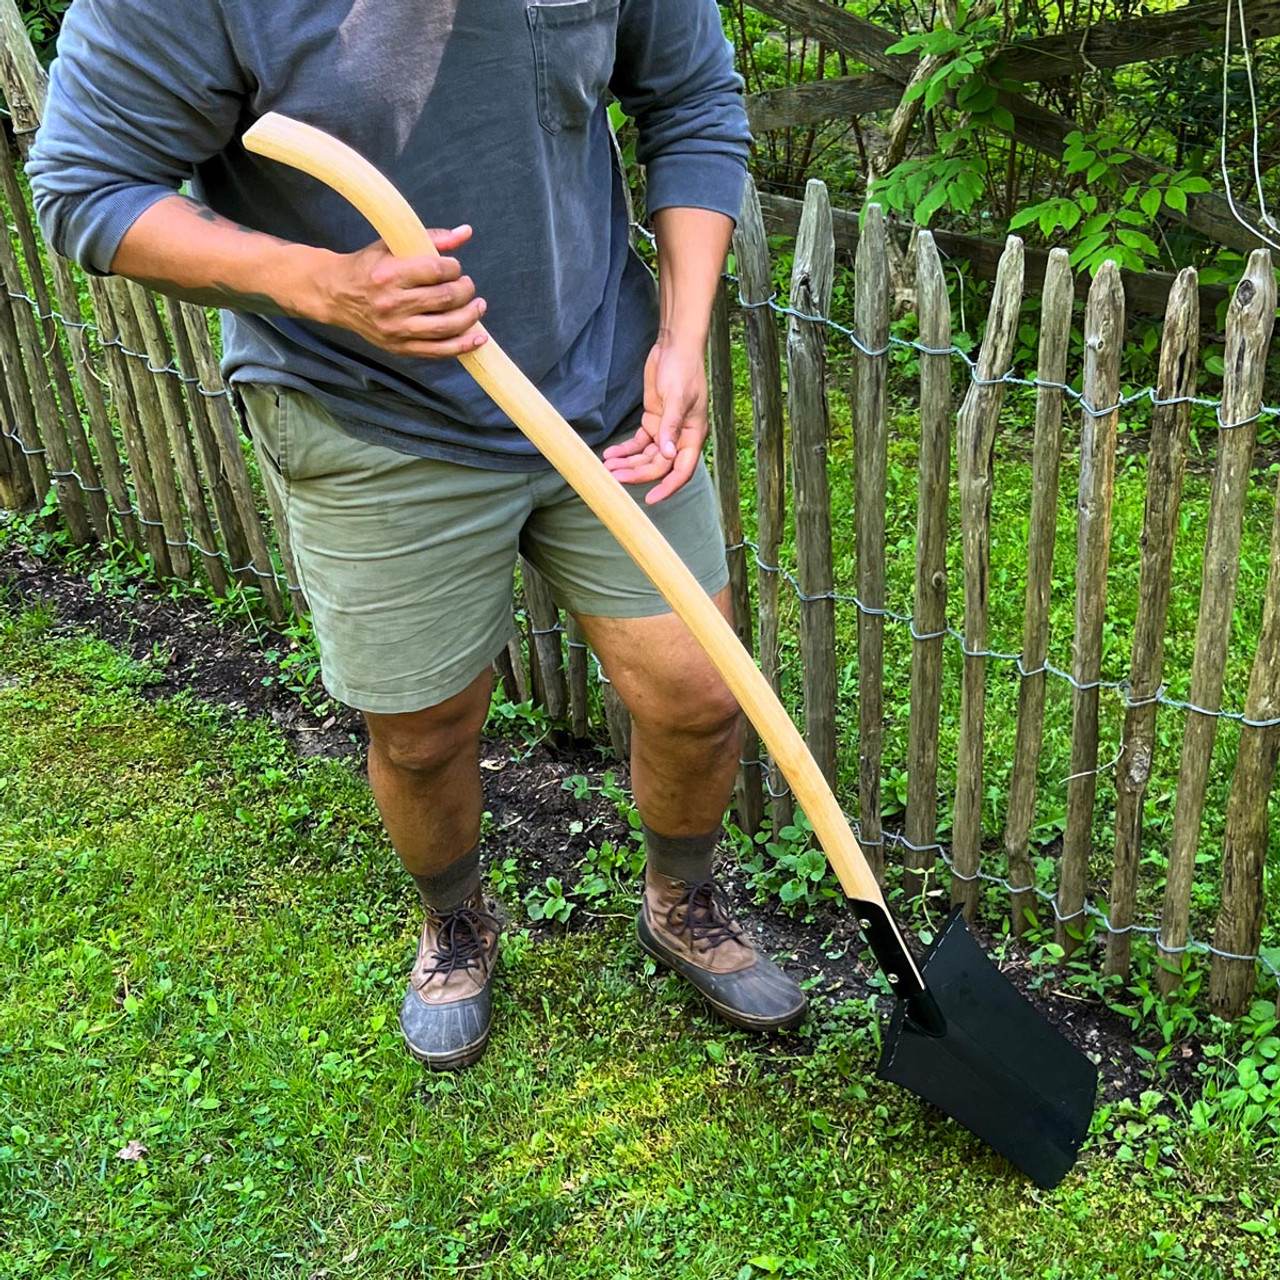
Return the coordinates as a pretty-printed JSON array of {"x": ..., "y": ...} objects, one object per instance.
[
  {"x": 689, "y": 927},
  {"x": 448, "y": 1009}
]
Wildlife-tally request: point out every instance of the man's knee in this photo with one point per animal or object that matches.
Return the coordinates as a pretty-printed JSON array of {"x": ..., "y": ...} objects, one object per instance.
[
  {"x": 702, "y": 708},
  {"x": 429, "y": 741}
]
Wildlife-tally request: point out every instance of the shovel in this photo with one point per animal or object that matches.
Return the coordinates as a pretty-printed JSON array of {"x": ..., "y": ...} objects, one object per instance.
[{"x": 961, "y": 1036}]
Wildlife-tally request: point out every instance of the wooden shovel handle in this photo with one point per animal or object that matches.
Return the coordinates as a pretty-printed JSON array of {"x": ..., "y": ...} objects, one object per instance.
[{"x": 334, "y": 163}]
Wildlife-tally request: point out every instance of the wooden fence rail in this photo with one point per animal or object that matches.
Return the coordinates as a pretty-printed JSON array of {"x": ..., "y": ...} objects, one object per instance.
[{"x": 114, "y": 415}]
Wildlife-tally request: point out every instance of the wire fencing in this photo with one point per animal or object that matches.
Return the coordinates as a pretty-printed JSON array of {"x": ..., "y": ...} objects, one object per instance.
[{"x": 973, "y": 377}]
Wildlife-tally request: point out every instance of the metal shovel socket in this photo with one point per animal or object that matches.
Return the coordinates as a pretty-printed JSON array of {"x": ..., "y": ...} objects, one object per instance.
[{"x": 961, "y": 1036}]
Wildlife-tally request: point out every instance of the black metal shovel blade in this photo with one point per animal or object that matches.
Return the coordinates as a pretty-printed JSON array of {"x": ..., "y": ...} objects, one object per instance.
[{"x": 999, "y": 1068}]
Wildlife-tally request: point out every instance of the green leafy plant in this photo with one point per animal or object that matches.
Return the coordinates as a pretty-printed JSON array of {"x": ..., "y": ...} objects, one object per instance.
[
  {"x": 549, "y": 901},
  {"x": 1108, "y": 215},
  {"x": 504, "y": 876},
  {"x": 787, "y": 868},
  {"x": 1242, "y": 1085},
  {"x": 524, "y": 720}
]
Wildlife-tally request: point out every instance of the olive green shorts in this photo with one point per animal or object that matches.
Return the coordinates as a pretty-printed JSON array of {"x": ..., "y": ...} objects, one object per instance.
[{"x": 408, "y": 563}]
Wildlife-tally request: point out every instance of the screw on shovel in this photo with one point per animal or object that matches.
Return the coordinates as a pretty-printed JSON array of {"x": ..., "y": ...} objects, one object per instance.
[{"x": 961, "y": 1036}]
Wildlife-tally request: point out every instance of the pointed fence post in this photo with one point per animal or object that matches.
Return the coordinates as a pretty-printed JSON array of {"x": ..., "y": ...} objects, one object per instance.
[
  {"x": 1249, "y": 324},
  {"x": 579, "y": 707},
  {"x": 975, "y": 442},
  {"x": 228, "y": 459},
  {"x": 47, "y": 420},
  {"x": 724, "y": 451},
  {"x": 811, "y": 281},
  {"x": 175, "y": 418},
  {"x": 1103, "y": 340},
  {"x": 546, "y": 655},
  {"x": 1244, "y": 847},
  {"x": 870, "y": 435},
  {"x": 752, "y": 253},
  {"x": 1166, "y": 455},
  {"x": 929, "y": 612},
  {"x": 72, "y": 443},
  {"x": 1042, "y": 532}
]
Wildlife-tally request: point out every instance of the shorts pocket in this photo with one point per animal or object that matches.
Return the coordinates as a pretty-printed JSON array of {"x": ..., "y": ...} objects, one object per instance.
[
  {"x": 573, "y": 54},
  {"x": 266, "y": 412}
]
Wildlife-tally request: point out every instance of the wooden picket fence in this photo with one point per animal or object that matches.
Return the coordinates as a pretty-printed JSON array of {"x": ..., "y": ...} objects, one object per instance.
[
  {"x": 802, "y": 415},
  {"x": 112, "y": 403}
]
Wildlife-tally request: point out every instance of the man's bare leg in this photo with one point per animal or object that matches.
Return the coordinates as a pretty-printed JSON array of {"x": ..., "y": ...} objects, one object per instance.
[
  {"x": 424, "y": 768},
  {"x": 684, "y": 734},
  {"x": 684, "y": 756}
]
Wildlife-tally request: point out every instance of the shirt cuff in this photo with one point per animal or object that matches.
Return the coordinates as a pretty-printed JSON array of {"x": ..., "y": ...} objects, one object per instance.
[
  {"x": 98, "y": 222},
  {"x": 707, "y": 180}
]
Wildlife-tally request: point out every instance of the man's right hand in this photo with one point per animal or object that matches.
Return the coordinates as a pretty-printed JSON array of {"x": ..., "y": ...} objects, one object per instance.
[{"x": 420, "y": 307}]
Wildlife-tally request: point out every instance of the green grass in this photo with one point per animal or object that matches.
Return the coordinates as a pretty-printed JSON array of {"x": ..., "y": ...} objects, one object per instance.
[{"x": 203, "y": 942}]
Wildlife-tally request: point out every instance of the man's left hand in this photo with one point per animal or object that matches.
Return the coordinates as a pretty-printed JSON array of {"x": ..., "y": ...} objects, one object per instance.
[{"x": 673, "y": 426}]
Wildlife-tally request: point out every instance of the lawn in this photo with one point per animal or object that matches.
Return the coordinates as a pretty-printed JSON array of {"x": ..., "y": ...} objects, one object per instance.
[{"x": 204, "y": 938}]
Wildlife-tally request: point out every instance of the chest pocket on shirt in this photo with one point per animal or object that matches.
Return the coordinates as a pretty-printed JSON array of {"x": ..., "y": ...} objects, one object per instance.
[{"x": 573, "y": 53}]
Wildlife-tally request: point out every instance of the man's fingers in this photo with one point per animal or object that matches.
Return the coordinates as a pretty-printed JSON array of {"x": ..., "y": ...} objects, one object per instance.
[
  {"x": 447, "y": 241},
  {"x": 435, "y": 326},
  {"x": 438, "y": 350},
  {"x": 644, "y": 470},
  {"x": 413, "y": 273},
  {"x": 629, "y": 448},
  {"x": 441, "y": 297},
  {"x": 668, "y": 433},
  {"x": 683, "y": 467}
]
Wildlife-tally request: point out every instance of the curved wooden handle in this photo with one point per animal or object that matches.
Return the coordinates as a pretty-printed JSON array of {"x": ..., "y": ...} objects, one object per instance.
[{"x": 336, "y": 164}]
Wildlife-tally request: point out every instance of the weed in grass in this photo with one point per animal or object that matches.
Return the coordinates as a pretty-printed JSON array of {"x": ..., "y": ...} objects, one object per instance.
[{"x": 549, "y": 901}]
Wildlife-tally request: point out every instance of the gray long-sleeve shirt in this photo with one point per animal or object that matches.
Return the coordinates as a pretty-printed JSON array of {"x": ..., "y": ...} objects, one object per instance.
[{"x": 490, "y": 112}]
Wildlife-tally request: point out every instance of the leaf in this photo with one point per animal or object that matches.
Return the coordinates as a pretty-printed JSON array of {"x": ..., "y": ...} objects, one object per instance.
[
  {"x": 1025, "y": 216},
  {"x": 1176, "y": 199},
  {"x": 811, "y": 864},
  {"x": 1085, "y": 249},
  {"x": 976, "y": 95},
  {"x": 932, "y": 202},
  {"x": 1149, "y": 202},
  {"x": 909, "y": 44},
  {"x": 1139, "y": 241},
  {"x": 132, "y": 1150}
]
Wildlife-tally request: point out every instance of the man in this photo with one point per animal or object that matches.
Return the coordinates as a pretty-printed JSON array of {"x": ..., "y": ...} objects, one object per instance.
[{"x": 408, "y": 493}]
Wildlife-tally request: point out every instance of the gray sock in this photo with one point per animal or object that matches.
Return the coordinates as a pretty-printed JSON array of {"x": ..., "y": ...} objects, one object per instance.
[
  {"x": 452, "y": 886},
  {"x": 684, "y": 858}
]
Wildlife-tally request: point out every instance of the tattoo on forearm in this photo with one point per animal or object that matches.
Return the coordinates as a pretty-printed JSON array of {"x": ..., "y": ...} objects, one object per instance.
[
  {"x": 218, "y": 294},
  {"x": 222, "y": 295}
]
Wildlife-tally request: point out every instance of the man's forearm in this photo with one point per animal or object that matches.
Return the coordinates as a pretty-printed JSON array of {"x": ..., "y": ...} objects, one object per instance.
[
  {"x": 692, "y": 244},
  {"x": 184, "y": 249}
]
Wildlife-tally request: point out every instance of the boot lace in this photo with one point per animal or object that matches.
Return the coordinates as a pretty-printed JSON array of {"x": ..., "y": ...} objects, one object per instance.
[
  {"x": 708, "y": 916},
  {"x": 462, "y": 941}
]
